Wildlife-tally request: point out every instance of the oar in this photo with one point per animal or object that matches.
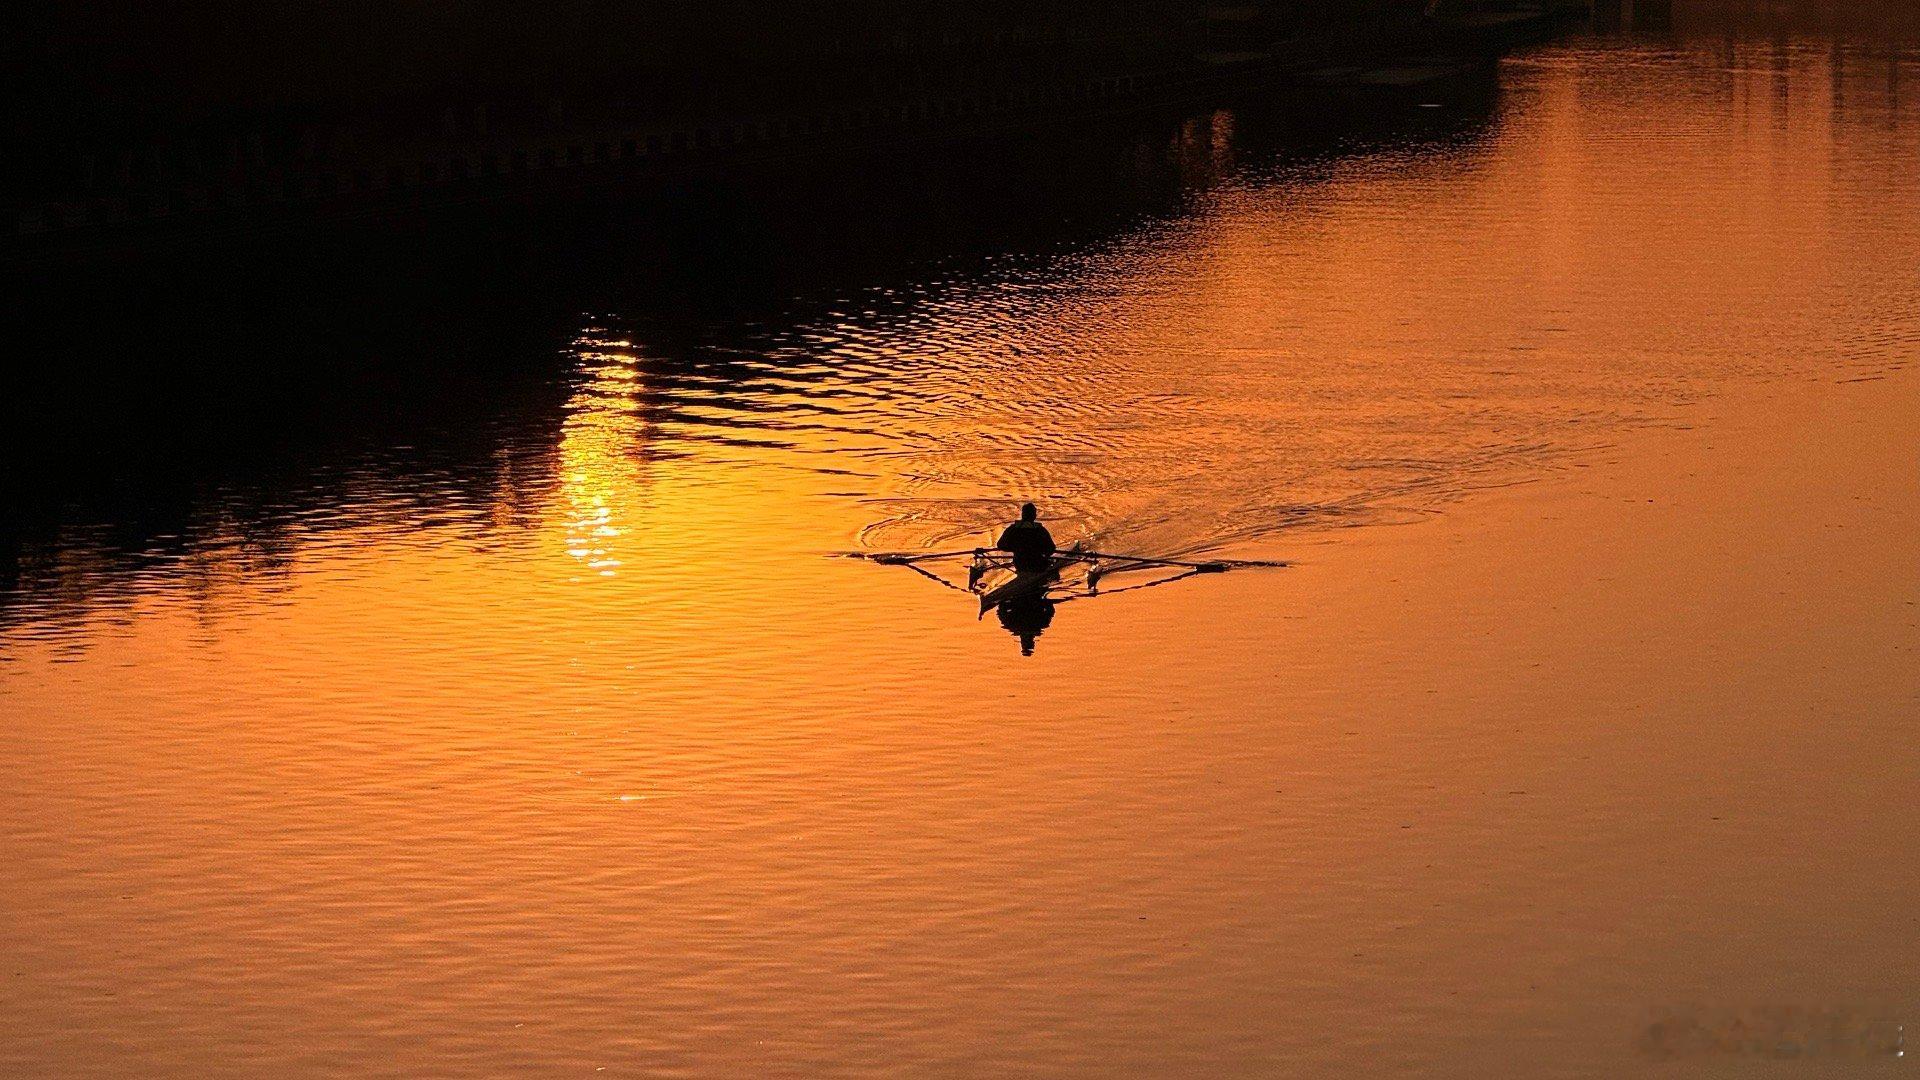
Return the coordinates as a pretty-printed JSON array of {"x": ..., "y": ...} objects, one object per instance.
[
  {"x": 1196, "y": 567},
  {"x": 894, "y": 558}
]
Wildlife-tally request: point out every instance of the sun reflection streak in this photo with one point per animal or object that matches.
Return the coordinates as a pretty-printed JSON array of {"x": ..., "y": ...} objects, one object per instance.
[{"x": 601, "y": 459}]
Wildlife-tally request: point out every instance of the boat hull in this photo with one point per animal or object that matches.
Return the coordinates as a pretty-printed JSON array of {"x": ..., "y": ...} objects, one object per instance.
[{"x": 1022, "y": 586}]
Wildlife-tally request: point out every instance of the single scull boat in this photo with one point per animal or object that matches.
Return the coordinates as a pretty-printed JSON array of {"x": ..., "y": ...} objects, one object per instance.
[
  {"x": 1024, "y": 584},
  {"x": 986, "y": 563}
]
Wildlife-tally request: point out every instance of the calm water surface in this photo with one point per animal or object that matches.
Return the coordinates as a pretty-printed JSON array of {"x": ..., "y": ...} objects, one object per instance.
[{"x": 546, "y": 734}]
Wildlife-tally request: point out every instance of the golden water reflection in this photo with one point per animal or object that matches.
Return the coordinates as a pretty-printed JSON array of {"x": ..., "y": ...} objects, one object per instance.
[{"x": 603, "y": 458}]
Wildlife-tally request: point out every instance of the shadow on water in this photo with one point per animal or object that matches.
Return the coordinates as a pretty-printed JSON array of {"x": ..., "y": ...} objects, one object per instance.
[
  {"x": 1026, "y": 619},
  {"x": 237, "y": 401}
]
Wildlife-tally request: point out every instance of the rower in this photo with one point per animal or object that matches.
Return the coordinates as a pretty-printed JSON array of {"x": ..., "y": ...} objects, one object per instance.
[{"x": 1029, "y": 542}]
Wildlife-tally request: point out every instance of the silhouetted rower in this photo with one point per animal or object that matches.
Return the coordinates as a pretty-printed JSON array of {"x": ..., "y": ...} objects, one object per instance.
[{"x": 1029, "y": 542}]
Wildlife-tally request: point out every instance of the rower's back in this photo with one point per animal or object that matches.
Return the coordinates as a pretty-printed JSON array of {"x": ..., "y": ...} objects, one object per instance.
[{"x": 1028, "y": 541}]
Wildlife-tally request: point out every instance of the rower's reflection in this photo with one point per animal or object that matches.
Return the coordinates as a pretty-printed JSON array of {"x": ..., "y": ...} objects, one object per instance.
[{"x": 1026, "y": 618}]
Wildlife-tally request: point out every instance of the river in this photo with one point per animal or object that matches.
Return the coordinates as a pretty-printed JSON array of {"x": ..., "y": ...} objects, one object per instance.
[{"x": 518, "y": 702}]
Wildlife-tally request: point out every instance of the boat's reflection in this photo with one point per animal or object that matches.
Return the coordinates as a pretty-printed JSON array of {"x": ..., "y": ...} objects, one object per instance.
[{"x": 1026, "y": 618}]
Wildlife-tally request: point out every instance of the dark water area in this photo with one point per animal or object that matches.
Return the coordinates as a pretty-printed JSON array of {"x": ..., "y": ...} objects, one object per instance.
[{"x": 248, "y": 386}]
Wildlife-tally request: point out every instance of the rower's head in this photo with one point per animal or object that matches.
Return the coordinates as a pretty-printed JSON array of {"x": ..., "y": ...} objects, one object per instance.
[{"x": 1028, "y": 512}]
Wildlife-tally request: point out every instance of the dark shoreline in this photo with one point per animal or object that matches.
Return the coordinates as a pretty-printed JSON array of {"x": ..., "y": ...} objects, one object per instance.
[{"x": 482, "y": 171}]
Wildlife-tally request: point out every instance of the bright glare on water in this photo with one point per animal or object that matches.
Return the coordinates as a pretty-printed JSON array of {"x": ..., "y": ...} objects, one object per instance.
[{"x": 542, "y": 732}]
